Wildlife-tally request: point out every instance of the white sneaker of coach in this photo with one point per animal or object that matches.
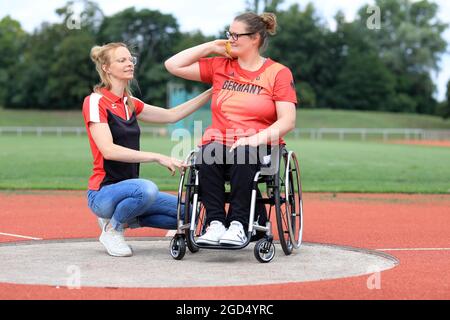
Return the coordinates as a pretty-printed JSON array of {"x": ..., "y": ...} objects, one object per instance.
[
  {"x": 235, "y": 234},
  {"x": 102, "y": 222},
  {"x": 114, "y": 242}
]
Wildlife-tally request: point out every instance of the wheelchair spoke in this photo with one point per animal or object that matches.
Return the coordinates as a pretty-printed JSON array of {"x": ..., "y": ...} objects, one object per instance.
[{"x": 289, "y": 216}]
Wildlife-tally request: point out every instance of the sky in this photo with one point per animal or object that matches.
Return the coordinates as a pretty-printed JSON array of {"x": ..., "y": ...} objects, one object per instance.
[{"x": 210, "y": 16}]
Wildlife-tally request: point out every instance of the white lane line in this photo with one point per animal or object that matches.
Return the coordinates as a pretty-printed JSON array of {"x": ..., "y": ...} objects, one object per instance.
[
  {"x": 171, "y": 233},
  {"x": 18, "y": 236},
  {"x": 415, "y": 249}
]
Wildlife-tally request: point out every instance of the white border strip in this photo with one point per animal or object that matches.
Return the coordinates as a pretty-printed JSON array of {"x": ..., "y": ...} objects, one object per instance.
[
  {"x": 415, "y": 249},
  {"x": 18, "y": 236}
]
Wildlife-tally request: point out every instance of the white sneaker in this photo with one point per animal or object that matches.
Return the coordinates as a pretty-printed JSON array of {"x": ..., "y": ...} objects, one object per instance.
[
  {"x": 235, "y": 234},
  {"x": 114, "y": 243},
  {"x": 213, "y": 233},
  {"x": 102, "y": 222}
]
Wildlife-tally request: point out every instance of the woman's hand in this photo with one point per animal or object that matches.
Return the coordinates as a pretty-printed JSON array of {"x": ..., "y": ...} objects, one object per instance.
[
  {"x": 251, "y": 141},
  {"x": 172, "y": 164},
  {"x": 219, "y": 47}
]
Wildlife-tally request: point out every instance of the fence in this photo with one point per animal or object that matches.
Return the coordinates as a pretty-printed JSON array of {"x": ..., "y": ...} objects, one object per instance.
[
  {"x": 366, "y": 134},
  {"x": 60, "y": 131},
  {"x": 315, "y": 134}
]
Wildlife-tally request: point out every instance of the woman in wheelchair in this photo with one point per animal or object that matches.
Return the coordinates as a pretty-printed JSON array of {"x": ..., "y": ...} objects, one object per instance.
[
  {"x": 217, "y": 164},
  {"x": 253, "y": 107}
]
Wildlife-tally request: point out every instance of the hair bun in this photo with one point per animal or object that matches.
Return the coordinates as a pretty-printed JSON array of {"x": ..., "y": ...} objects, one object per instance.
[
  {"x": 270, "y": 20},
  {"x": 95, "y": 53}
]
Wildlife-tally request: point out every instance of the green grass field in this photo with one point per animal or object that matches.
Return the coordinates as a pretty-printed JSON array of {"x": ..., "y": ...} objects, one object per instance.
[
  {"x": 306, "y": 118},
  {"x": 65, "y": 163}
]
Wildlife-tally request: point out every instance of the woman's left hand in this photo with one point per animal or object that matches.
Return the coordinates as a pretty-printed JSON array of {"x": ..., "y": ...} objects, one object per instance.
[{"x": 251, "y": 141}]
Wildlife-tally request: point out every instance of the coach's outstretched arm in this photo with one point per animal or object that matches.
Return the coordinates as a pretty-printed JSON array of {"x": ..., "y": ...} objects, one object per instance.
[{"x": 154, "y": 114}]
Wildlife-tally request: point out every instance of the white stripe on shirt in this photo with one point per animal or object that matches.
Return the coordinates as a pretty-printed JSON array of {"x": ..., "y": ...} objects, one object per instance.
[
  {"x": 94, "y": 111},
  {"x": 126, "y": 107}
]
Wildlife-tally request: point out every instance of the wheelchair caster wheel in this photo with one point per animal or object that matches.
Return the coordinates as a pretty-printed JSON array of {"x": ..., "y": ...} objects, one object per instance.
[
  {"x": 177, "y": 247},
  {"x": 264, "y": 251}
]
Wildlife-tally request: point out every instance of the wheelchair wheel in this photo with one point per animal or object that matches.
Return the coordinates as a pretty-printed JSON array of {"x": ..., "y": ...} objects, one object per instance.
[
  {"x": 200, "y": 217},
  {"x": 288, "y": 202},
  {"x": 200, "y": 227},
  {"x": 264, "y": 250},
  {"x": 177, "y": 247},
  {"x": 294, "y": 200}
]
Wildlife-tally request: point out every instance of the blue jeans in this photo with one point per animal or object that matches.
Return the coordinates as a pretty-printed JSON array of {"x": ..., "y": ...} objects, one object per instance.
[{"x": 136, "y": 203}]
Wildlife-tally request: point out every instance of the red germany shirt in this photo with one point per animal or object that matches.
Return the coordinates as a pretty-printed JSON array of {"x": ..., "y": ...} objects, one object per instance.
[{"x": 243, "y": 102}]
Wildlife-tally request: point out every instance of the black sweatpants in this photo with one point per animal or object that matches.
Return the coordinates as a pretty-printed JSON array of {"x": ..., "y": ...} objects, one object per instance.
[{"x": 216, "y": 166}]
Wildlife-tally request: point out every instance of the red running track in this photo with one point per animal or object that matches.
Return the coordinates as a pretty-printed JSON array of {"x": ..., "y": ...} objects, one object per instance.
[{"x": 413, "y": 228}]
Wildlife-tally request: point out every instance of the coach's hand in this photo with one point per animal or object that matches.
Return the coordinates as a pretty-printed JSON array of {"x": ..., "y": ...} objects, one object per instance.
[
  {"x": 251, "y": 141},
  {"x": 172, "y": 164}
]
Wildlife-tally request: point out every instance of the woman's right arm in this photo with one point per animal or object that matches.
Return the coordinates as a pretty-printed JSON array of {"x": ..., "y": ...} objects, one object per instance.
[
  {"x": 101, "y": 134},
  {"x": 185, "y": 63}
]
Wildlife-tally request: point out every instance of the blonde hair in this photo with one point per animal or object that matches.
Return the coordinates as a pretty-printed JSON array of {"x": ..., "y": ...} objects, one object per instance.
[
  {"x": 101, "y": 55},
  {"x": 265, "y": 24},
  {"x": 270, "y": 20}
]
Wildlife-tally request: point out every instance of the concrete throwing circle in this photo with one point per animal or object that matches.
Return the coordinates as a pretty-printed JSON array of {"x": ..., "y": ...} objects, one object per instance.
[{"x": 84, "y": 263}]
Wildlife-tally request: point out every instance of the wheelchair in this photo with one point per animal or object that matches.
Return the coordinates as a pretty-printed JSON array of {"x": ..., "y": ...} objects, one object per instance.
[{"x": 281, "y": 177}]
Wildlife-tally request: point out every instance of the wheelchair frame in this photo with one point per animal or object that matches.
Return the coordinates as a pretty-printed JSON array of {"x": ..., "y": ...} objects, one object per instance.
[{"x": 283, "y": 189}]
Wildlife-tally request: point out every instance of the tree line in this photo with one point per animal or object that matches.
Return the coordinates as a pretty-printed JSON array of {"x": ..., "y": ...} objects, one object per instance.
[{"x": 351, "y": 66}]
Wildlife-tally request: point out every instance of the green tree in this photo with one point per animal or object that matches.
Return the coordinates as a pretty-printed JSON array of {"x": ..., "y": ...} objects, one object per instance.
[
  {"x": 32, "y": 73},
  {"x": 359, "y": 79},
  {"x": 306, "y": 95},
  {"x": 71, "y": 75},
  {"x": 447, "y": 112},
  {"x": 444, "y": 106},
  {"x": 55, "y": 71},
  {"x": 410, "y": 42},
  {"x": 153, "y": 37},
  {"x": 364, "y": 83},
  {"x": 301, "y": 45},
  {"x": 12, "y": 43},
  {"x": 411, "y": 35}
]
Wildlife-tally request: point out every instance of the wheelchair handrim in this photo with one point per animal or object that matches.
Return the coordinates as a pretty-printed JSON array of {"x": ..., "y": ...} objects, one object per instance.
[{"x": 291, "y": 183}]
